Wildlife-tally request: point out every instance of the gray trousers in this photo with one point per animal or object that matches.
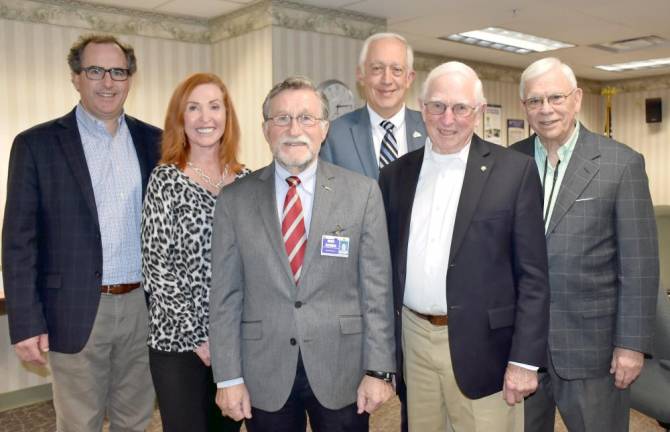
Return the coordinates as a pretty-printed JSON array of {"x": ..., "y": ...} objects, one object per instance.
[
  {"x": 585, "y": 405},
  {"x": 110, "y": 376}
]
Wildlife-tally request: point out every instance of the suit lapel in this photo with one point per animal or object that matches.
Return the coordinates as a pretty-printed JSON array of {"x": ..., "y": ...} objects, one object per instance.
[
  {"x": 70, "y": 142},
  {"x": 414, "y": 130},
  {"x": 479, "y": 165},
  {"x": 582, "y": 168},
  {"x": 326, "y": 189},
  {"x": 267, "y": 207},
  {"x": 362, "y": 137},
  {"x": 406, "y": 190},
  {"x": 140, "y": 149}
]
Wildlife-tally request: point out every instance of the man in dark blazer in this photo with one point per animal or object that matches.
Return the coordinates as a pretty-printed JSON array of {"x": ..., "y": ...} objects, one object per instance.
[
  {"x": 361, "y": 140},
  {"x": 603, "y": 258},
  {"x": 71, "y": 246},
  {"x": 469, "y": 266}
]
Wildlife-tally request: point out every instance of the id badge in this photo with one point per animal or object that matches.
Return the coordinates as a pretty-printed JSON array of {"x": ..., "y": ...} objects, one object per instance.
[{"x": 334, "y": 246}]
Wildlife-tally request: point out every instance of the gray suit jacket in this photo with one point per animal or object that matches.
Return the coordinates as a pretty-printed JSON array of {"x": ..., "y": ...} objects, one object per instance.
[
  {"x": 349, "y": 142},
  {"x": 603, "y": 257},
  {"x": 339, "y": 317}
]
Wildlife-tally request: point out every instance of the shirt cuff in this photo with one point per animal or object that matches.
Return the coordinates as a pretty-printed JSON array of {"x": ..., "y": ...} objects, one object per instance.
[
  {"x": 230, "y": 383},
  {"x": 525, "y": 366}
]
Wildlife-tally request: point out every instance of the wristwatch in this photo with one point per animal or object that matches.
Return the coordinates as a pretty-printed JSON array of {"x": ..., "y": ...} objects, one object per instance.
[{"x": 386, "y": 376}]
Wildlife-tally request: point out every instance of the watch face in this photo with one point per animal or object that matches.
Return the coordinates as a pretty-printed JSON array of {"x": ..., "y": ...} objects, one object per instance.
[{"x": 340, "y": 98}]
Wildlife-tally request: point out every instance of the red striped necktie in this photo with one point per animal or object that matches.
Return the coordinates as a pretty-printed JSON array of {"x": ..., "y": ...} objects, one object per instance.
[{"x": 293, "y": 228}]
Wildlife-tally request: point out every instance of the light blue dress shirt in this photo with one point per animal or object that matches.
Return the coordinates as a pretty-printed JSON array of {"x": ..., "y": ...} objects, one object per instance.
[{"x": 117, "y": 185}]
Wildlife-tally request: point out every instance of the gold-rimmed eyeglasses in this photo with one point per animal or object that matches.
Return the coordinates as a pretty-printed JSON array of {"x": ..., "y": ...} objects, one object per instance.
[
  {"x": 554, "y": 99},
  {"x": 283, "y": 120}
]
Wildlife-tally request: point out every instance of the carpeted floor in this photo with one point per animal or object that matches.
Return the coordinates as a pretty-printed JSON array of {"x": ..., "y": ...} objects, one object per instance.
[{"x": 41, "y": 418}]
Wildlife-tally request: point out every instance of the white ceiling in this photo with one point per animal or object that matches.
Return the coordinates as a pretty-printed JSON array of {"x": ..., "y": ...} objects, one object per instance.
[{"x": 579, "y": 22}]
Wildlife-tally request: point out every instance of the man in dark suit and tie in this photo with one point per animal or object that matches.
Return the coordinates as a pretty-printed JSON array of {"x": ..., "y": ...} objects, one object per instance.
[
  {"x": 369, "y": 138},
  {"x": 71, "y": 246},
  {"x": 301, "y": 315},
  {"x": 603, "y": 258},
  {"x": 469, "y": 266}
]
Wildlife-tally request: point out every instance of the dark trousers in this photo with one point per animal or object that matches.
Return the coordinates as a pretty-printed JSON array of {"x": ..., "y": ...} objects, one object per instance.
[
  {"x": 291, "y": 417},
  {"x": 586, "y": 405},
  {"x": 186, "y": 391}
]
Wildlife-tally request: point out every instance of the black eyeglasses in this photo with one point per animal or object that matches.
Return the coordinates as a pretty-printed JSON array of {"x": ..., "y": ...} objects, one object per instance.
[{"x": 97, "y": 73}]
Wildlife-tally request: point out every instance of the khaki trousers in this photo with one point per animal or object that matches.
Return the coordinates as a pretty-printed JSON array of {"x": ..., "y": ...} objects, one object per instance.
[
  {"x": 110, "y": 376},
  {"x": 434, "y": 401}
]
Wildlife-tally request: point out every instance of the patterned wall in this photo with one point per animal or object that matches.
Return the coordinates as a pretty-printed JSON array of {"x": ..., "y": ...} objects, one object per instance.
[{"x": 245, "y": 64}]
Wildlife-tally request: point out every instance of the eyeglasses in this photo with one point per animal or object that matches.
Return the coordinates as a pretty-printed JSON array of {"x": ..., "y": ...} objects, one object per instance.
[
  {"x": 377, "y": 69},
  {"x": 556, "y": 99},
  {"x": 97, "y": 73},
  {"x": 458, "y": 109},
  {"x": 283, "y": 120}
]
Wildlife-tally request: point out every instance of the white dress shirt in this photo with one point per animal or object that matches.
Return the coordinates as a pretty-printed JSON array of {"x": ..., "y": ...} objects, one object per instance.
[
  {"x": 378, "y": 132},
  {"x": 431, "y": 228}
]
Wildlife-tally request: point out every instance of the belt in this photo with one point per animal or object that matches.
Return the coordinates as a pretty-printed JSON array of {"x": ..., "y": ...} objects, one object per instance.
[
  {"x": 436, "y": 320},
  {"x": 119, "y": 288}
]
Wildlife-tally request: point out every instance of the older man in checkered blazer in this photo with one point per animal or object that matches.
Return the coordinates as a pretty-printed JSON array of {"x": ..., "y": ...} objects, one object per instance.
[{"x": 603, "y": 258}]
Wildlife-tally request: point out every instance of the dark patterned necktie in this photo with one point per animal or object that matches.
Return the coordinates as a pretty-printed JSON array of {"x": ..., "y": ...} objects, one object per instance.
[{"x": 389, "y": 149}]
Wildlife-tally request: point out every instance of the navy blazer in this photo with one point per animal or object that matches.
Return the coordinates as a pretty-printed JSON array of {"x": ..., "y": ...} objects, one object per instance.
[
  {"x": 51, "y": 247},
  {"x": 497, "y": 284}
]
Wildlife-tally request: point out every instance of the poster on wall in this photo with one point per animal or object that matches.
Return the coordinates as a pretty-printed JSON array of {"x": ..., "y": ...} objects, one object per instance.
[
  {"x": 515, "y": 131},
  {"x": 492, "y": 124}
]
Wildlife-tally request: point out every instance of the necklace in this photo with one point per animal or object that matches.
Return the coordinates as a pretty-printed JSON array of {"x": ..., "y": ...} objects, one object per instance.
[{"x": 207, "y": 179}]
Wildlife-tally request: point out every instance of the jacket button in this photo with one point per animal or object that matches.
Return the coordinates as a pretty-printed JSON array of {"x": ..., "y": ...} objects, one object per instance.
[
  {"x": 98, "y": 275},
  {"x": 298, "y": 304},
  {"x": 452, "y": 265},
  {"x": 293, "y": 341}
]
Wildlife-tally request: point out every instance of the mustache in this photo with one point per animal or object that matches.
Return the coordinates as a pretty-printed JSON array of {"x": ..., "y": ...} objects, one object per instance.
[{"x": 300, "y": 139}]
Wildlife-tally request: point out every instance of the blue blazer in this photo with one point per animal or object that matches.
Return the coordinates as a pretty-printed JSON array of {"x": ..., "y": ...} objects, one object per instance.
[
  {"x": 51, "y": 247},
  {"x": 349, "y": 142}
]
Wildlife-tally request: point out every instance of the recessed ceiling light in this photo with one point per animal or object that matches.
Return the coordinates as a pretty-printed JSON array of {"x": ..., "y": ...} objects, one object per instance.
[
  {"x": 506, "y": 40},
  {"x": 636, "y": 65}
]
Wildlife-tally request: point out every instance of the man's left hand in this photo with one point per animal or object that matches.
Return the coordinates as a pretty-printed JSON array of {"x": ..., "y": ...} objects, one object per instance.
[
  {"x": 626, "y": 366},
  {"x": 519, "y": 382},
  {"x": 372, "y": 393}
]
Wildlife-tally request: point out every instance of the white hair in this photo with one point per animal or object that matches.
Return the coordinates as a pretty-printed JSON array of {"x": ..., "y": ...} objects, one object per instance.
[
  {"x": 409, "y": 56},
  {"x": 454, "y": 67},
  {"x": 541, "y": 67}
]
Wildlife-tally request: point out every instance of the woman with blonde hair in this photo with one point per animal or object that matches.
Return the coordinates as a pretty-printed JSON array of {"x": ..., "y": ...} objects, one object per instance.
[{"x": 198, "y": 157}]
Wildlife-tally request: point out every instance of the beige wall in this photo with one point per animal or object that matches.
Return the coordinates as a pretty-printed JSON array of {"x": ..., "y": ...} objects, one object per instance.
[
  {"x": 245, "y": 65},
  {"x": 650, "y": 139}
]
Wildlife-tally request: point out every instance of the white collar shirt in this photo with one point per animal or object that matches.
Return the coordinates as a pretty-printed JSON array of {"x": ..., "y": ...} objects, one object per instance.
[
  {"x": 378, "y": 132},
  {"x": 431, "y": 229}
]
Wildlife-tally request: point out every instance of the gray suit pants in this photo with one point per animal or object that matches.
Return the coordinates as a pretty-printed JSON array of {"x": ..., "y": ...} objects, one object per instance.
[{"x": 585, "y": 405}]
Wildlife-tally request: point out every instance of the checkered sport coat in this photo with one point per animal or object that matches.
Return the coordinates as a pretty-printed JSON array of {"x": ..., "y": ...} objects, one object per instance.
[{"x": 603, "y": 257}]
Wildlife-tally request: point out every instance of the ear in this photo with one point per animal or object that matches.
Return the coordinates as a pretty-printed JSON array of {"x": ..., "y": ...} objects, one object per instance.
[
  {"x": 410, "y": 78},
  {"x": 478, "y": 114},
  {"x": 360, "y": 74},
  {"x": 75, "y": 78}
]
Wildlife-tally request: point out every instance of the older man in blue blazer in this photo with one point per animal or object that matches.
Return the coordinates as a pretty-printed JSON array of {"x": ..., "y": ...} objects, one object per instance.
[
  {"x": 369, "y": 138},
  {"x": 71, "y": 246}
]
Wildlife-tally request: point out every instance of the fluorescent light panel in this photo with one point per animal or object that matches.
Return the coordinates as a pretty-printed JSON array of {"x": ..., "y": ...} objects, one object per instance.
[
  {"x": 507, "y": 40},
  {"x": 636, "y": 65}
]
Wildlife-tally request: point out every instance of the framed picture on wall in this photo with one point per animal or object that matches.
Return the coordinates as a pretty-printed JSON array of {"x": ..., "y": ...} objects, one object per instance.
[
  {"x": 516, "y": 131},
  {"x": 493, "y": 124}
]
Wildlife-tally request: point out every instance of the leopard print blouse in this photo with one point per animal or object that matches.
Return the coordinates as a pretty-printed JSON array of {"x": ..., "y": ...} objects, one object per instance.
[{"x": 176, "y": 262}]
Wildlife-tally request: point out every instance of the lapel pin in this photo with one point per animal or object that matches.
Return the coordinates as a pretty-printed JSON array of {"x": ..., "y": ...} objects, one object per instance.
[
  {"x": 483, "y": 168},
  {"x": 416, "y": 134}
]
